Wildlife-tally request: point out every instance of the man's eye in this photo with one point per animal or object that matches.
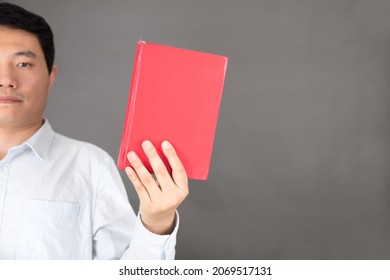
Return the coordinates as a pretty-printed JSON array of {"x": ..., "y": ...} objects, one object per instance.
[{"x": 24, "y": 64}]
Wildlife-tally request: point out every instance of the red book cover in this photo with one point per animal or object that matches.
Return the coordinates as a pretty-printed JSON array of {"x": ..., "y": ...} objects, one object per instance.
[{"x": 175, "y": 95}]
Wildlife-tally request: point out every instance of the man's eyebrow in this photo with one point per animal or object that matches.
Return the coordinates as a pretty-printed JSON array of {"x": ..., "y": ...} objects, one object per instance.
[{"x": 27, "y": 53}]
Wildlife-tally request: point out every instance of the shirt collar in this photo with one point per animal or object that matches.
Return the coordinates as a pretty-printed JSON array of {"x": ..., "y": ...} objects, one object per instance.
[{"x": 40, "y": 141}]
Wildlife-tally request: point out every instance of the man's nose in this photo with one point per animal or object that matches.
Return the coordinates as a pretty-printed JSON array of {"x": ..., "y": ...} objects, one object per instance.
[{"x": 7, "y": 79}]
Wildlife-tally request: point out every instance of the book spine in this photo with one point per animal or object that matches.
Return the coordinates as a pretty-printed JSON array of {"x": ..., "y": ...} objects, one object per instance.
[{"x": 123, "y": 150}]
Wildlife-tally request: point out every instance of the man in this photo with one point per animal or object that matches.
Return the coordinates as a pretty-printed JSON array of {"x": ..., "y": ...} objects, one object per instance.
[{"x": 61, "y": 198}]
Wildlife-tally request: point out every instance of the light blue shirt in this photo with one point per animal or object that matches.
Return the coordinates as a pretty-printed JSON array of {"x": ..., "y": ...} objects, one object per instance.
[{"x": 64, "y": 199}]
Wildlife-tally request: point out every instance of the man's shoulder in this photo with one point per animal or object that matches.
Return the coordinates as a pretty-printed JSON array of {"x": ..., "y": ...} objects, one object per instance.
[{"x": 78, "y": 148}]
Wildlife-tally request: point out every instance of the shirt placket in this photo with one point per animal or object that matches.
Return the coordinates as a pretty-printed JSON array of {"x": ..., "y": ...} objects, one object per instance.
[{"x": 4, "y": 171}]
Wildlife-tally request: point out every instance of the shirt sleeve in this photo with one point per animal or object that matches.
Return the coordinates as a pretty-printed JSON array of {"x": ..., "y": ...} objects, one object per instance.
[
  {"x": 117, "y": 232},
  {"x": 147, "y": 245}
]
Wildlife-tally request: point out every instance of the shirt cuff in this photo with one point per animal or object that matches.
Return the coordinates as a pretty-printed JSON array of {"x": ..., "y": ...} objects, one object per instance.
[{"x": 146, "y": 245}]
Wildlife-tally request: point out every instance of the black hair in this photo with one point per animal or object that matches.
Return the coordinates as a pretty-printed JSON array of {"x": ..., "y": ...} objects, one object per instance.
[{"x": 13, "y": 16}]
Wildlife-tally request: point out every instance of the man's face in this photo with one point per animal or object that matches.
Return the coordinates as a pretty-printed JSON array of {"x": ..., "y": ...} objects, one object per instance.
[{"x": 24, "y": 79}]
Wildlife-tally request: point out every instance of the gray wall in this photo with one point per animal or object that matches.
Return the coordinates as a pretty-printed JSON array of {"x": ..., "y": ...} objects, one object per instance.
[{"x": 301, "y": 155}]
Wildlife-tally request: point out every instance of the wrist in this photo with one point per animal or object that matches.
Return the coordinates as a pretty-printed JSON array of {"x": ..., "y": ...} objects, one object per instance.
[{"x": 161, "y": 224}]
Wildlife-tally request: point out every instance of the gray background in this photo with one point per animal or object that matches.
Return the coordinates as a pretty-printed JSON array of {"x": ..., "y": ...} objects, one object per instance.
[{"x": 301, "y": 154}]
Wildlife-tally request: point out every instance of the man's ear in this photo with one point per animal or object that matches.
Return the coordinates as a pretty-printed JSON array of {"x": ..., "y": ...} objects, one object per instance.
[{"x": 52, "y": 76}]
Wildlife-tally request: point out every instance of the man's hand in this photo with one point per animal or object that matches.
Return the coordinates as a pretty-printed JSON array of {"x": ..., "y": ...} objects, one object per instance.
[{"x": 158, "y": 199}]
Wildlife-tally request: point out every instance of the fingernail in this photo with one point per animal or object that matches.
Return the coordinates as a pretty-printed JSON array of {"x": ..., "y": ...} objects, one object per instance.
[
  {"x": 147, "y": 145},
  {"x": 132, "y": 156},
  {"x": 166, "y": 145},
  {"x": 129, "y": 170}
]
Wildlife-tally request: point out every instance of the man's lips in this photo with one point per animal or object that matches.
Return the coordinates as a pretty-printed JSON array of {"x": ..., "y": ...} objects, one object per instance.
[{"x": 9, "y": 99}]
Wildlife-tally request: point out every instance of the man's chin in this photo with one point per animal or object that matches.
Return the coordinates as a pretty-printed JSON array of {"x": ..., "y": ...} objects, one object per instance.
[{"x": 10, "y": 122}]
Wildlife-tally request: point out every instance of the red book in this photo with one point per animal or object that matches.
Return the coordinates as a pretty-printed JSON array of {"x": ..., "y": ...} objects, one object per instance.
[{"x": 175, "y": 95}]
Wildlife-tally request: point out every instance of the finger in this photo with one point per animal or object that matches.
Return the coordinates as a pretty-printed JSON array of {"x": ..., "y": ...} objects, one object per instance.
[
  {"x": 143, "y": 174},
  {"x": 157, "y": 164},
  {"x": 138, "y": 186},
  {"x": 179, "y": 174}
]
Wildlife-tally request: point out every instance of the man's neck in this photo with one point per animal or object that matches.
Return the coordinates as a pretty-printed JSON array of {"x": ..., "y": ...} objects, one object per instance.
[{"x": 11, "y": 137}]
